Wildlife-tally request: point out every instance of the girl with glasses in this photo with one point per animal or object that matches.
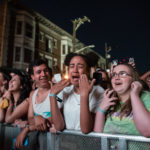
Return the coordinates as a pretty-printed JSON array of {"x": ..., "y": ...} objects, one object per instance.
[{"x": 125, "y": 109}]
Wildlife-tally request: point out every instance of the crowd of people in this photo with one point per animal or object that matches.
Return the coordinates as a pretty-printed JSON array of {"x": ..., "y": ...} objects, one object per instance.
[{"x": 117, "y": 102}]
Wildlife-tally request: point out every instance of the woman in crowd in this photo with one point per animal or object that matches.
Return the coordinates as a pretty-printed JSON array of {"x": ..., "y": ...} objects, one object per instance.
[
  {"x": 4, "y": 80},
  {"x": 17, "y": 94},
  {"x": 81, "y": 98},
  {"x": 125, "y": 109}
]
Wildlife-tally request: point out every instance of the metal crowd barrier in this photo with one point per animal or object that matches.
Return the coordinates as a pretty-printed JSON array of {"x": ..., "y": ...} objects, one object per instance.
[{"x": 75, "y": 140}]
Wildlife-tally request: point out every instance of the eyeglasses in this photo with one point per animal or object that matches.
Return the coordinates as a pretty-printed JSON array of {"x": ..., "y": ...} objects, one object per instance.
[{"x": 121, "y": 74}]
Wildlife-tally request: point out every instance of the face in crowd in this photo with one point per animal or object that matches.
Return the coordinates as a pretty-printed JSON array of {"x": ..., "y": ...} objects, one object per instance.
[
  {"x": 15, "y": 84},
  {"x": 77, "y": 67},
  {"x": 41, "y": 75},
  {"x": 122, "y": 77}
]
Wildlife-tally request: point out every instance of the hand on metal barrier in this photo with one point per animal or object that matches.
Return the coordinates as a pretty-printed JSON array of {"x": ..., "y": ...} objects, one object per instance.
[
  {"x": 24, "y": 144},
  {"x": 22, "y": 139}
]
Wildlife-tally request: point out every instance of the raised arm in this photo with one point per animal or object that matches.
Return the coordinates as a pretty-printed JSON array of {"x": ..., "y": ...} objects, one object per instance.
[
  {"x": 145, "y": 75},
  {"x": 57, "y": 117},
  {"x": 141, "y": 115},
  {"x": 86, "y": 117},
  {"x": 106, "y": 103}
]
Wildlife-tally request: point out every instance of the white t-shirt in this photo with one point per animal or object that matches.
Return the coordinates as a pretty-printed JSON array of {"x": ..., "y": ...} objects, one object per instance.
[{"x": 71, "y": 105}]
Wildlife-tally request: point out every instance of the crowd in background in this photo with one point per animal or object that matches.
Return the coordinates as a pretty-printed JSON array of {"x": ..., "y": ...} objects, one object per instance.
[{"x": 91, "y": 99}]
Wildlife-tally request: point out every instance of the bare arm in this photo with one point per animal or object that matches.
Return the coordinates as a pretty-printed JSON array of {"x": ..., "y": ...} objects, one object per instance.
[
  {"x": 140, "y": 114},
  {"x": 22, "y": 135},
  {"x": 99, "y": 122},
  {"x": 106, "y": 103},
  {"x": 145, "y": 75},
  {"x": 30, "y": 110},
  {"x": 57, "y": 117},
  {"x": 19, "y": 111},
  {"x": 2, "y": 115},
  {"x": 86, "y": 117},
  {"x": 2, "y": 112}
]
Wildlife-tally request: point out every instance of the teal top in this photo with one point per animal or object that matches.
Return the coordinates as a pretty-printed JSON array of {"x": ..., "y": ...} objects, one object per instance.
[
  {"x": 44, "y": 114},
  {"x": 126, "y": 125}
]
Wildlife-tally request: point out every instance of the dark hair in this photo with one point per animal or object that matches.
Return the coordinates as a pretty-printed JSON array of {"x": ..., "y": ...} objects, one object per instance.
[
  {"x": 92, "y": 58},
  {"x": 26, "y": 86},
  {"x": 71, "y": 55},
  {"x": 36, "y": 63},
  {"x": 6, "y": 76}
]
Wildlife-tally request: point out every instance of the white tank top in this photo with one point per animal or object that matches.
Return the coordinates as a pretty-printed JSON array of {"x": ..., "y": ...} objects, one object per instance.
[{"x": 43, "y": 108}]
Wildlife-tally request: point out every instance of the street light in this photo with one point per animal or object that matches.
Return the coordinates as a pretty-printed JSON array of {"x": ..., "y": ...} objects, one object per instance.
[
  {"x": 89, "y": 46},
  {"x": 107, "y": 56},
  {"x": 76, "y": 24}
]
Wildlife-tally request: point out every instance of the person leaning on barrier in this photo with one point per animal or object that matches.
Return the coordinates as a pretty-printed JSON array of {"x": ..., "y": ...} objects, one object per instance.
[
  {"x": 80, "y": 99},
  {"x": 4, "y": 80},
  {"x": 17, "y": 95},
  {"x": 39, "y": 113},
  {"x": 125, "y": 109}
]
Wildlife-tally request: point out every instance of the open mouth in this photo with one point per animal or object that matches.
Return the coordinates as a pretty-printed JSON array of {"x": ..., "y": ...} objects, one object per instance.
[
  {"x": 44, "y": 79},
  {"x": 118, "y": 83},
  {"x": 75, "y": 77}
]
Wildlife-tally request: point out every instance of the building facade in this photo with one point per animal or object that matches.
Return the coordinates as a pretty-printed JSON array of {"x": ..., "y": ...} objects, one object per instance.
[{"x": 26, "y": 35}]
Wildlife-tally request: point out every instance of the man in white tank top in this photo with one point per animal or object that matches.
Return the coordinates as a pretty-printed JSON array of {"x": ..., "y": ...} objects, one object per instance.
[{"x": 39, "y": 114}]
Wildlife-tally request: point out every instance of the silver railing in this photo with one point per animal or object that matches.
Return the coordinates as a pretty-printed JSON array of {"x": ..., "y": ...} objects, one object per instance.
[{"x": 75, "y": 140}]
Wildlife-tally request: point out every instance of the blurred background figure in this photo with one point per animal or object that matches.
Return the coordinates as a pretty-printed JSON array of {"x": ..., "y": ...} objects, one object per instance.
[
  {"x": 4, "y": 80},
  {"x": 103, "y": 80},
  {"x": 146, "y": 78}
]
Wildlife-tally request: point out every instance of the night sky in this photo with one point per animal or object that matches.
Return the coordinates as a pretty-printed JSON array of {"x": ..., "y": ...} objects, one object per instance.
[{"x": 123, "y": 25}]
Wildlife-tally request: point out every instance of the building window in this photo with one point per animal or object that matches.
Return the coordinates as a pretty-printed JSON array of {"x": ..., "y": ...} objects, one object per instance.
[
  {"x": 28, "y": 30},
  {"x": 27, "y": 55},
  {"x": 19, "y": 27},
  {"x": 41, "y": 36},
  {"x": 17, "y": 53},
  {"x": 55, "y": 43},
  {"x": 48, "y": 45},
  {"x": 64, "y": 50},
  {"x": 69, "y": 49}
]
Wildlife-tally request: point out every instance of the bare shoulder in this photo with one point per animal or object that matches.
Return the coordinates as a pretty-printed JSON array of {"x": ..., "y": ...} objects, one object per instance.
[{"x": 30, "y": 96}]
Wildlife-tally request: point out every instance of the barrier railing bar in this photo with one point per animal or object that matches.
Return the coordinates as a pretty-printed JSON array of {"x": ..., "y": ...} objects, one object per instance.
[
  {"x": 122, "y": 144},
  {"x": 115, "y": 136},
  {"x": 104, "y": 143}
]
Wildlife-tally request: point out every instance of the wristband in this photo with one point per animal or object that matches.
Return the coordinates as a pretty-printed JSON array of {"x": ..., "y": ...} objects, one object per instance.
[
  {"x": 55, "y": 96},
  {"x": 102, "y": 111}
]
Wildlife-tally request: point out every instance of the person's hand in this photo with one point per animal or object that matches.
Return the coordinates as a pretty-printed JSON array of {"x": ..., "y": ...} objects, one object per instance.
[
  {"x": 20, "y": 138},
  {"x": 132, "y": 64},
  {"x": 109, "y": 100},
  {"x": 20, "y": 123},
  {"x": 40, "y": 123},
  {"x": 55, "y": 89},
  {"x": 84, "y": 86},
  {"x": 7, "y": 95},
  {"x": 52, "y": 129},
  {"x": 136, "y": 87}
]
